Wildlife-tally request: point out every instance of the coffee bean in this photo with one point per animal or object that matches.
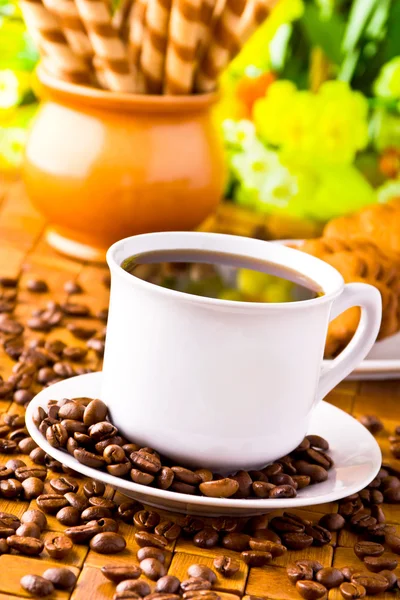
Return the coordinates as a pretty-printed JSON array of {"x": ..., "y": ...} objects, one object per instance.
[
  {"x": 7, "y": 446},
  {"x": 183, "y": 488},
  {"x": 287, "y": 524},
  {"x": 78, "y": 501},
  {"x": 5, "y": 532},
  {"x": 145, "y": 461},
  {"x": 153, "y": 568},
  {"x": 9, "y": 520},
  {"x": 114, "y": 454},
  {"x": 297, "y": 541},
  {"x": 107, "y": 543},
  {"x": 94, "y": 488},
  {"x": 146, "y": 520},
  {"x": 317, "y": 441},
  {"x": 195, "y": 584},
  {"x": 363, "y": 549},
  {"x": 310, "y": 590},
  {"x": 143, "y": 538},
  {"x": 102, "y": 431},
  {"x": 101, "y": 502},
  {"x": 23, "y": 473},
  {"x": 127, "y": 510},
  {"x": 267, "y": 534},
  {"x": 72, "y": 410},
  {"x": 226, "y": 566},
  {"x": 89, "y": 459},
  {"x": 390, "y": 577},
  {"x": 190, "y": 525},
  {"x": 267, "y": 546},
  {"x": 61, "y": 577},
  {"x": 186, "y": 475},
  {"x": 80, "y": 534},
  {"x": 38, "y": 456},
  {"x": 392, "y": 495},
  {"x": 236, "y": 541},
  {"x": 28, "y": 530},
  {"x": 10, "y": 488},
  {"x": 372, "y": 582},
  {"x": 352, "y": 591},
  {"x": 350, "y": 507},
  {"x": 58, "y": 546},
  {"x": 171, "y": 531},
  {"x": 256, "y": 558},
  {"x": 4, "y": 549},
  {"x": 68, "y": 516},
  {"x": 262, "y": 489},
  {"x": 372, "y": 423},
  {"x": 22, "y": 397},
  {"x": 319, "y": 458},
  {"x": 151, "y": 552},
  {"x": 10, "y": 327},
  {"x": 332, "y": 522},
  {"x": 33, "y": 487},
  {"x": 36, "y": 585},
  {"x": 81, "y": 333},
  {"x": 64, "y": 484},
  {"x": 348, "y": 572},
  {"x": 393, "y": 543},
  {"x": 316, "y": 473},
  {"x": 320, "y": 535},
  {"x": 39, "y": 415},
  {"x": 37, "y": 286},
  {"x": 194, "y": 595},
  {"x": 117, "y": 573},
  {"x": 222, "y": 488},
  {"x": 115, "y": 440},
  {"x": 34, "y": 516},
  {"x": 330, "y": 577},
  {"x": 282, "y": 479},
  {"x": 283, "y": 491},
  {"x": 199, "y": 570},
  {"x": 361, "y": 521},
  {"x": 206, "y": 538},
  {"x": 25, "y": 545},
  {"x": 165, "y": 477},
  {"x": 72, "y": 287},
  {"x": 380, "y": 563},
  {"x": 140, "y": 477},
  {"x": 168, "y": 584},
  {"x": 297, "y": 572},
  {"x": 51, "y": 503},
  {"x": 224, "y": 524},
  {"x": 377, "y": 513},
  {"x": 140, "y": 587},
  {"x": 96, "y": 513}
]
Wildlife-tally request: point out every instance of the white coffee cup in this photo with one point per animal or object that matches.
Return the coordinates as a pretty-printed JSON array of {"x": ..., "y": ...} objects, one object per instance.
[{"x": 218, "y": 383}]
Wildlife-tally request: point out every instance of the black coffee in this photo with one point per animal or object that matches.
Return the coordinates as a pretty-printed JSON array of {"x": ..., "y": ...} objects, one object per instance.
[{"x": 223, "y": 276}]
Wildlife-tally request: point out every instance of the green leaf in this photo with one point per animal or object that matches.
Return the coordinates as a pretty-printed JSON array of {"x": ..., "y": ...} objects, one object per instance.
[
  {"x": 327, "y": 34},
  {"x": 360, "y": 14},
  {"x": 376, "y": 27}
]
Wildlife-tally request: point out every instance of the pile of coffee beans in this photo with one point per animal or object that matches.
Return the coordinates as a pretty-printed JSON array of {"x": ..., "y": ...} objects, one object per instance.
[{"x": 81, "y": 427}]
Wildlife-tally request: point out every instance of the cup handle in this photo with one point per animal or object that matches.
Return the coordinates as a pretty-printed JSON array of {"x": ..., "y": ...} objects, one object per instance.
[{"x": 368, "y": 298}]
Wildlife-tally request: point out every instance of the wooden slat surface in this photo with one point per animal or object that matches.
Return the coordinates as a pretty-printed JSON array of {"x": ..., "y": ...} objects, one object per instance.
[{"x": 23, "y": 251}]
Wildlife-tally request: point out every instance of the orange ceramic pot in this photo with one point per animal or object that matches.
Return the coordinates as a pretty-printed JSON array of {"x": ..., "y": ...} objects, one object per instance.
[{"x": 102, "y": 166}]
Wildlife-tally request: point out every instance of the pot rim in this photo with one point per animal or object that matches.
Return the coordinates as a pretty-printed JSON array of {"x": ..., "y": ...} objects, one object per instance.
[{"x": 100, "y": 98}]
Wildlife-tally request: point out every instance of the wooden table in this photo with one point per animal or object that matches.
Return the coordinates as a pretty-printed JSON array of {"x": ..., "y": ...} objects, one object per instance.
[{"x": 25, "y": 254}]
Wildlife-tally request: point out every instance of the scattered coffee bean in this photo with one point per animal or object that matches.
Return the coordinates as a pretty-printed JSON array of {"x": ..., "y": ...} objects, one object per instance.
[
  {"x": 117, "y": 573},
  {"x": 34, "y": 516},
  {"x": 36, "y": 585},
  {"x": 372, "y": 423},
  {"x": 107, "y": 543},
  {"x": 256, "y": 558},
  {"x": 28, "y": 530},
  {"x": 195, "y": 584},
  {"x": 332, "y": 522},
  {"x": 310, "y": 590},
  {"x": 297, "y": 541},
  {"x": 51, "y": 503},
  {"x": 58, "y": 546},
  {"x": 199, "y": 570},
  {"x": 352, "y": 591},
  {"x": 153, "y": 568},
  {"x": 151, "y": 552},
  {"x": 139, "y": 587},
  {"x": 143, "y": 538},
  {"x": 372, "y": 582},
  {"x": 93, "y": 487},
  {"x": 206, "y": 538},
  {"x": 380, "y": 563},
  {"x": 391, "y": 578},
  {"x": 168, "y": 585},
  {"x": 25, "y": 545},
  {"x": 68, "y": 516},
  {"x": 298, "y": 571},
  {"x": 236, "y": 541},
  {"x": 61, "y": 577},
  {"x": 364, "y": 548},
  {"x": 330, "y": 577},
  {"x": 222, "y": 488}
]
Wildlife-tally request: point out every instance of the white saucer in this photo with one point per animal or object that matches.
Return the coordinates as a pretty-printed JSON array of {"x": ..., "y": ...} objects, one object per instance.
[{"x": 356, "y": 454}]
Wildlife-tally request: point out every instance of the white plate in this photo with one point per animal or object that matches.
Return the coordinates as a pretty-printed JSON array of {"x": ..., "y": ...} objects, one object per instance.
[
  {"x": 356, "y": 454},
  {"x": 383, "y": 362}
]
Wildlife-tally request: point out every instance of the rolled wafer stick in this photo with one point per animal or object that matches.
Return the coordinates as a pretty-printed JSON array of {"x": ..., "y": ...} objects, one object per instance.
[
  {"x": 255, "y": 14},
  {"x": 209, "y": 13},
  {"x": 222, "y": 45},
  {"x": 120, "y": 18},
  {"x": 155, "y": 39},
  {"x": 46, "y": 31},
  {"x": 107, "y": 46},
  {"x": 182, "y": 47},
  {"x": 136, "y": 31},
  {"x": 71, "y": 25}
]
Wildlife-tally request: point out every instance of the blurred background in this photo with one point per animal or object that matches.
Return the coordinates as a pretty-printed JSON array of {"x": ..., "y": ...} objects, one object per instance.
[{"x": 310, "y": 108}]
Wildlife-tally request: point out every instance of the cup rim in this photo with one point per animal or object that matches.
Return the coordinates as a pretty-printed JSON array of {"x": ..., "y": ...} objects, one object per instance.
[{"x": 196, "y": 240}]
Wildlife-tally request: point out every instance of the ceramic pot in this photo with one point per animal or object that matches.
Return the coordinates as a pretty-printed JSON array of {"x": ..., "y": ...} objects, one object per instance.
[{"x": 102, "y": 166}]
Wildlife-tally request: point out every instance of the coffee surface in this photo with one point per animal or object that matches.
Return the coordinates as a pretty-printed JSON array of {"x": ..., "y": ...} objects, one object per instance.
[{"x": 224, "y": 276}]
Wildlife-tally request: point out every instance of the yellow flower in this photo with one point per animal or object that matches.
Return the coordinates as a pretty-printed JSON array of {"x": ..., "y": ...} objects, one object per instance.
[{"x": 268, "y": 111}]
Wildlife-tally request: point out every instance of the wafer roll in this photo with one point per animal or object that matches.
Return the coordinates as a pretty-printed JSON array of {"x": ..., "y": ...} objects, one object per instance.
[
  {"x": 107, "y": 46},
  {"x": 71, "y": 25},
  {"x": 209, "y": 13},
  {"x": 46, "y": 31},
  {"x": 136, "y": 31},
  {"x": 222, "y": 45},
  {"x": 182, "y": 47},
  {"x": 155, "y": 39},
  {"x": 120, "y": 18},
  {"x": 255, "y": 14}
]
